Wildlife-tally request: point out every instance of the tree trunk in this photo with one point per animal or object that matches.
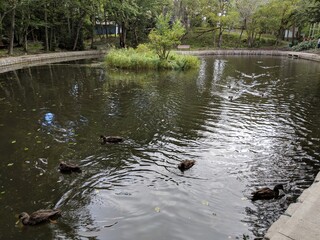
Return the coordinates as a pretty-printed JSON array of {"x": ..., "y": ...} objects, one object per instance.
[
  {"x": 46, "y": 29},
  {"x": 293, "y": 34},
  {"x": 77, "y": 36},
  {"x": 92, "y": 32},
  {"x": 13, "y": 18},
  {"x": 105, "y": 25},
  {"x": 240, "y": 37},
  {"x": 136, "y": 40},
  {"x": 25, "y": 41},
  {"x": 122, "y": 36},
  {"x": 220, "y": 37}
]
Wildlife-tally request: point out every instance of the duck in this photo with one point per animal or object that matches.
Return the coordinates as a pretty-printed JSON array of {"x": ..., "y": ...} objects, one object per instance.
[
  {"x": 267, "y": 193},
  {"x": 65, "y": 167},
  {"x": 40, "y": 216},
  {"x": 186, "y": 164},
  {"x": 111, "y": 139}
]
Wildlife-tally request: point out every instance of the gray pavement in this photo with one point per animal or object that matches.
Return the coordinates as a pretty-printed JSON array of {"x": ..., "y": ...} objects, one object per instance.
[{"x": 301, "y": 221}]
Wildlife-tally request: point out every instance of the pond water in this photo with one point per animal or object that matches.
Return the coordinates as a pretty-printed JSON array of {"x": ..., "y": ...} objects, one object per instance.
[{"x": 247, "y": 121}]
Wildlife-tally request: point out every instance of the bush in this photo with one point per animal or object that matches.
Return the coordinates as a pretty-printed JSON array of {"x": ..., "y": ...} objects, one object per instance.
[
  {"x": 144, "y": 58},
  {"x": 305, "y": 45}
]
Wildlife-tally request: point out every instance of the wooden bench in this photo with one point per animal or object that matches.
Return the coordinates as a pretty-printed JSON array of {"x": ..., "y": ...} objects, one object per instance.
[{"x": 183, "y": 47}]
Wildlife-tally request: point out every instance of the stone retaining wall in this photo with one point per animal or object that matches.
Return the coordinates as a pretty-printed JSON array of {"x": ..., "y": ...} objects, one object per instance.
[
  {"x": 301, "y": 55},
  {"x": 13, "y": 63},
  {"x": 301, "y": 220}
]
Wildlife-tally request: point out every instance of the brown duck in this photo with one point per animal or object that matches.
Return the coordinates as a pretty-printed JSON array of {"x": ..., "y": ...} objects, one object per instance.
[
  {"x": 40, "y": 216},
  {"x": 186, "y": 164},
  {"x": 267, "y": 193},
  {"x": 110, "y": 139},
  {"x": 65, "y": 167}
]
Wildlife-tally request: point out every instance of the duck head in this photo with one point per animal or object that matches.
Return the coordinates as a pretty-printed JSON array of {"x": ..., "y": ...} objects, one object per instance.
[
  {"x": 278, "y": 187},
  {"x": 24, "y": 217}
]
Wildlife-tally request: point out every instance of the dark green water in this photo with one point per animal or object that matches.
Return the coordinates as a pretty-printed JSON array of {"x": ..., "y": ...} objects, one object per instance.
[{"x": 269, "y": 133}]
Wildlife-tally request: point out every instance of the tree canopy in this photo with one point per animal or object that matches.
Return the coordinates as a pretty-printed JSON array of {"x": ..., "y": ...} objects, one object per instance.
[{"x": 68, "y": 24}]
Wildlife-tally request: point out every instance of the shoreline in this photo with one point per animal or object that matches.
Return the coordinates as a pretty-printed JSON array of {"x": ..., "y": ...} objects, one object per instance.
[
  {"x": 298, "y": 55},
  {"x": 301, "y": 219},
  {"x": 13, "y": 63}
]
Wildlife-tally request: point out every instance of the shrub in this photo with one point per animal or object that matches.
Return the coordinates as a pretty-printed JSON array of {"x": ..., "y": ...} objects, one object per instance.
[
  {"x": 305, "y": 45},
  {"x": 144, "y": 58}
]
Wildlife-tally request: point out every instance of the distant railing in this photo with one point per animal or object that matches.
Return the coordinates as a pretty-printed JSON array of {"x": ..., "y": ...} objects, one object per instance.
[{"x": 184, "y": 47}]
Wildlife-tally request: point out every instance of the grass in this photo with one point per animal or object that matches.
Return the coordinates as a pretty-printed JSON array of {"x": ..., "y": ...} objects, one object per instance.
[{"x": 143, "y": 58}]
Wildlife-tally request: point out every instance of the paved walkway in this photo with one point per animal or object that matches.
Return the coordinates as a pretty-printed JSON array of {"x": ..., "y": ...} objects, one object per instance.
[
  {"x": 13, "y": 63},
  {"x": 301, "y": 221}
]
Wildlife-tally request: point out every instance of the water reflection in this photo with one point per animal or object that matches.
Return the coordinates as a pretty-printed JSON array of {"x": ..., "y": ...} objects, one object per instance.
[{"x": 266, "y": 135}]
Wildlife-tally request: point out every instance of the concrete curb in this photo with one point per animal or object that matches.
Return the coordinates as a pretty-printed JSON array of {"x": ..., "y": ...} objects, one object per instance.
[
  {"x": 301, "y": 55},
  {"x": 301, "y": 220},
  {"x": 13, "y": 63}
]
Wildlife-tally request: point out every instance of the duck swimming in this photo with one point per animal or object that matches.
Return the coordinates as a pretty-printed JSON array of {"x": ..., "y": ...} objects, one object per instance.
[
  {"x": 186, "y": 164},
  {"x": 267, "y": 193},
  {"x": 65, "y": 167},
  {"x": 110, "y": 139},
  {"x": 40, "y": 216}
]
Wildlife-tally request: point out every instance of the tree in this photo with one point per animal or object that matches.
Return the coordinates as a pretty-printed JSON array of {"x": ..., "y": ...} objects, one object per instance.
[
  {"x": 247, "y": 10},
  {"x": 165, "y": 36},
  {"x": 122, "y": 12}
]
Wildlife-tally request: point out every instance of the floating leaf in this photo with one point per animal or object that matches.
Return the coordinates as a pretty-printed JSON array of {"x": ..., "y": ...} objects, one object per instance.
[
  {"x": 26, "y": 149},
  {"x": 23, "y": 110},
  {"x": 36, "y": 137},
  {"x": 14, "y": 141},
  {"x": 204, "y": 202},
  {"x": 38, "y": 141},
  {"x": 29, "y": 133},
  {"x": 3, "y": 192},
  {"x": 10, "y": 164},
  {"x": 157, "y": 209},
  {"x": 33, "y": 110},
  {"x": 47, "y": 147},
  {"x": 41, "y": 174},
  {"x": 53, "y": 105}
]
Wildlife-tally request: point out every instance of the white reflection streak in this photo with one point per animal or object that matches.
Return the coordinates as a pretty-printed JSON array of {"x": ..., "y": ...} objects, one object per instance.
[
  {"x": 218, "y": 68},
  {"x": 202, "y": 76}
]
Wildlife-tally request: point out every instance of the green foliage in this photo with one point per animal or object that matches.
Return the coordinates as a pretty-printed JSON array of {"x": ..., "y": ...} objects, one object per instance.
[
  {"x": 305, "y": 45},
  {"x": 202, "y": 38},
  {"x": 143, "y": 58},
  {"x": 164, "y": 37}
]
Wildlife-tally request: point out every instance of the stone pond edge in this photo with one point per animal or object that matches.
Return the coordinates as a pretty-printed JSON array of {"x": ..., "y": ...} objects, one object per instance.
[
  {"x": 14, "y": 63},
  {"x": 301, "y": 219},
  {"x": 291, "y": 54}
]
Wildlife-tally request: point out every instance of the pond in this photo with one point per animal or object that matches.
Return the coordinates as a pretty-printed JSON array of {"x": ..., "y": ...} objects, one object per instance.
[{"x": 248, "y": 122}]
